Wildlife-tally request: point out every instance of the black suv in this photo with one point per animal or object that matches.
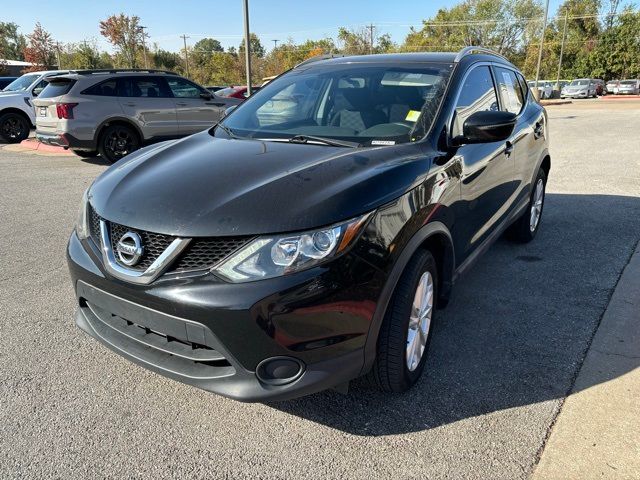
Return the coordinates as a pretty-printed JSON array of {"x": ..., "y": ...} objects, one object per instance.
[{"x": 312, "y": 235}]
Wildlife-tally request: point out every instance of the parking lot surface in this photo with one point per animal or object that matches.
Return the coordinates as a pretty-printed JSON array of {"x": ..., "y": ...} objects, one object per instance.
[{"x": 504, "y": 353}]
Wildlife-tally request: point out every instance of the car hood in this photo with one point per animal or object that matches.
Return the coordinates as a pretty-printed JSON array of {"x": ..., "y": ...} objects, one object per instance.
[
  {"x": 9, "y": 96},
  {"x": 206, "y": 186}
]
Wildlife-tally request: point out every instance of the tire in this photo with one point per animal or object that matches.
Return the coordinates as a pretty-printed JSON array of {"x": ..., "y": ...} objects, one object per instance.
[
  {"x": 117, "y": 141},
  {"x": 14, "y": 127},
  {"x": 391, "y": 371},
  {"x": 525, "y": 229},
  {"x": 86, "y": 153}
]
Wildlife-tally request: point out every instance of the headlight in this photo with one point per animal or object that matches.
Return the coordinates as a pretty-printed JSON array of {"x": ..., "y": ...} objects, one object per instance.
[
  {"x": 82, "y": 224},
  {"x": 267, "y": 257}
]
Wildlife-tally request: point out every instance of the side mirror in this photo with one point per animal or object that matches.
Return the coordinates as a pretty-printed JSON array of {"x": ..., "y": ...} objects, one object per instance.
[
  {"x": 228, "y": 110},
  {"x": 486, "y": 127},
  {"x": 206, "y": 96}
]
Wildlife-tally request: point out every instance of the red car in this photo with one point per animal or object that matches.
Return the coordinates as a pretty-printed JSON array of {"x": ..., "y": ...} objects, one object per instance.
[{"x": 236, "y": 92}]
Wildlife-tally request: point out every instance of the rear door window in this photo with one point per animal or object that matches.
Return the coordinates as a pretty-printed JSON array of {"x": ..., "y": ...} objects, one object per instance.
[
  {"x": 147, "y": 87},
  {"x": 103, "y": 89},
  {"x": 476, "y": 95},
  {"x": 510, "y": 93}
]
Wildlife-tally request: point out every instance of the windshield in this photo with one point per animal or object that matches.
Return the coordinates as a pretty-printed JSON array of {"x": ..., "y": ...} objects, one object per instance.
[
  {"x": 21, "y": 84},
  {"x": 579, "y": 82},
  {"x": 372, "y": 104}
]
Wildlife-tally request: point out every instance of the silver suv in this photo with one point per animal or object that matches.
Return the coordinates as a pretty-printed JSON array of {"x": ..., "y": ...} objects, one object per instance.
[{"x": 114, "y": 112}]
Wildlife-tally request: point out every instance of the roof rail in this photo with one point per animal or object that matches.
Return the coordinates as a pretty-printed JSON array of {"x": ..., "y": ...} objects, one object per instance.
[
  {"x": 472, "y": 49},
  {"x": 317, "y": 58},
  {"x": 121, "y": 70}
]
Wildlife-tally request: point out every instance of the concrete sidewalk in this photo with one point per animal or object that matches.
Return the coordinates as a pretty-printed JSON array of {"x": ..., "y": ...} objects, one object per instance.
[{"x": 597, "y": 433}]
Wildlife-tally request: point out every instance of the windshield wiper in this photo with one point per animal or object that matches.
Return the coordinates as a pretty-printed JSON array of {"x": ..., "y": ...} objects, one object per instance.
[{"x": 326, "y": 141}]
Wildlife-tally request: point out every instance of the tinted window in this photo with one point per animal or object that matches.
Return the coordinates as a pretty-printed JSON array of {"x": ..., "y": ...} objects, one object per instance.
[
  {"x": 510, "y": 92},
  {"x": 57, "y": 88},
  {"x": 145, "y": 87},
  {"x": 182, "y": 88},
  {"x": 104, "y": 89},
  {"x": 477, "y": 94},
  {"x": 523, "y": 86}
]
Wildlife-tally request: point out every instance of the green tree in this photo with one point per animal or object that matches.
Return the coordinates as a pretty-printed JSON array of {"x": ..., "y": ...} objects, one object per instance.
[
  {"x": 12, "y": 43},
  {"x": 167, "y": 60},
  {"x": 364, "y": 41},
  {"x": 257, "y": 49}
]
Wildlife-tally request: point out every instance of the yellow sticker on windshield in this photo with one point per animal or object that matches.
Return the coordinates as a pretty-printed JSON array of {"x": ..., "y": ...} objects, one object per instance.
[{"x": 412, "y": 116}]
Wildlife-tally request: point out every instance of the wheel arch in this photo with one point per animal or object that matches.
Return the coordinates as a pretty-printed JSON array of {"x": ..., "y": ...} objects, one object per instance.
[
  {"x": 20, "y": 112},
  {"x": 436, "y": 238},
  {"x": 117, "y": 121}
]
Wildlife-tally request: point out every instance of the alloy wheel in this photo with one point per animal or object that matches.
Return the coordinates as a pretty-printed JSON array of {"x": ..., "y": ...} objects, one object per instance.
[
  {"x": 120, "y": 142},
  {"x": 536, "y": 206},
  {"x": 12, "y": 128},
  {"x": 419, "y": 321}
]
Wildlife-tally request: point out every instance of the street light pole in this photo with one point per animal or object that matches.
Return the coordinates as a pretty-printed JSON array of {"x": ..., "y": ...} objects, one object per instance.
[
  {"x": 564, "y": 36},
  {"x": 247, "y": 46},
  {"x": 275, "y": 43},
  {"x": 544, "y": 27},
  {"x": 186, "y": 54}
]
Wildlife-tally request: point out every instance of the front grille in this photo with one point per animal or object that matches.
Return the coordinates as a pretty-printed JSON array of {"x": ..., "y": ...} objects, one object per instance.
[
  {"x": 202, "y": 252},
  {"x": 153, "y": 244}
]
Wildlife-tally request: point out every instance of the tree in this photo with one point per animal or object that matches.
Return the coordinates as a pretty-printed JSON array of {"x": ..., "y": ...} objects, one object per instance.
[
  {"x": 84, "y": 55},
  {"x": 40, "y": 49},
  {"x": 166, "y": 60},
  {"x": 12, "y": 43},
  {"x": 126, "y": 34},
  {"x": 202, "y": 51},
  {"x": 364, "y": 41},
  {"x": 257, "y": 49}
]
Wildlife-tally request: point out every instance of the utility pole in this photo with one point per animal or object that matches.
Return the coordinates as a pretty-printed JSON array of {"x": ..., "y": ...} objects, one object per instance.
[
  {"x": 564, "y": 36},
  {"x": 186, "y": 54},
  {"x": 371, "y": 27},
  {"x": 275, "y": 43},
  {"x": 144, "y": 47},
  {"x": 544, "y": 27},
  {"x": 58, "y": 55},
  {"x": 247, "y": 46}
]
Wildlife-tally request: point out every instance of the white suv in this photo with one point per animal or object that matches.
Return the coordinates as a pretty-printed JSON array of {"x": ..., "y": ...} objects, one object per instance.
[{"x": 17, "y": 115}]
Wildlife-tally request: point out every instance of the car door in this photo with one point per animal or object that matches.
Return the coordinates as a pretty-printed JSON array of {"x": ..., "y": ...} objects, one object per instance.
[
  {"x": 148, "y": 102},
  {"x": 527, "y": 136},
  {"x": 487, "y": 180},
  {"x": 197, "y": 108}
]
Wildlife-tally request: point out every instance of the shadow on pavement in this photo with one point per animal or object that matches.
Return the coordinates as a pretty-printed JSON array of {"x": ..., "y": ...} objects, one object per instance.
[{"x": 516, "y": 330}]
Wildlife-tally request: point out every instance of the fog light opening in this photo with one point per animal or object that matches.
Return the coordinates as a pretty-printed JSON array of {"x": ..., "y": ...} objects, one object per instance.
[{"x": 279, "y": 370}]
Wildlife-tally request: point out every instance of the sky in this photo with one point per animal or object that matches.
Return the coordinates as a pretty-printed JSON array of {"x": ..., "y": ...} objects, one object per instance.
[{"x": 73, "y": 21}]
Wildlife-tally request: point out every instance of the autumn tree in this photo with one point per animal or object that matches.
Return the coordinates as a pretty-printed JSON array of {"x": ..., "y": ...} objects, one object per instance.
[
  {"x": 40, "y": 49},
  {"x": 363, "y": 41},
  {"x": 126, "y": 35}
]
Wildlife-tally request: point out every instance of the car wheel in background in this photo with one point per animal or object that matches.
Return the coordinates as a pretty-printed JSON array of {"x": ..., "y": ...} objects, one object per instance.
[
  {"x": 117, "y": 141},
  {"x": 14, "y": 127},
  {"x": 86, "y": 153},
  {"x": 405, "y": 332},
  {"x": 525, "y": 228}
]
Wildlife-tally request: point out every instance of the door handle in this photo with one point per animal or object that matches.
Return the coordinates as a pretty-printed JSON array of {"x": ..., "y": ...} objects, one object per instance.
[{"x": 508, "y": 149}]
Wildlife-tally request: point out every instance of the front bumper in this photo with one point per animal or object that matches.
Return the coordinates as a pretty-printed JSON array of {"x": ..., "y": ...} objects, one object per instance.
[
  {"x": 216, "y": 336},
  {"x": 64, "y": 140}
]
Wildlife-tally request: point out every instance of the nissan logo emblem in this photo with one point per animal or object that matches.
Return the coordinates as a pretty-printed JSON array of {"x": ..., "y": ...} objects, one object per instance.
[{"x": 130, "y": 248}]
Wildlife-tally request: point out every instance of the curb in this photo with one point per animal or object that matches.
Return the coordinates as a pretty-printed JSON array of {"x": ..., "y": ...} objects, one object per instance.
[
  {"x": 595, "y": 433},
  {"x": 547, "y": 103},
  {"x": 32, "y": 144}
]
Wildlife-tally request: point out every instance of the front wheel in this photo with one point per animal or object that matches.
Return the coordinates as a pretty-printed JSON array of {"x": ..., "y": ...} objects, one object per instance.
[
  {"x": 405, "y": 333},
  {"x": 526, "y": 227},
  {"x": 117, "y": 141},
  {"x": 14, "y": 127}
]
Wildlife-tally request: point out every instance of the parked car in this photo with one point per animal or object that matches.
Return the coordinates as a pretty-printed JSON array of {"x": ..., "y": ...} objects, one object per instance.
[
  {"x": 115, "y": 112},
  {"x": 4, "y": 81},
  {"x": 580, "y": 88},
  {"x": 545, "y": 87},
  {"x": 215, "y": 88},
  {"x": 612, "y": 86},
  {"x": 266, "y": 262},
  {"x": 16, "y": 107},
  {"x": 236, "y": 92},
  {"x": 628, "y": 87}
]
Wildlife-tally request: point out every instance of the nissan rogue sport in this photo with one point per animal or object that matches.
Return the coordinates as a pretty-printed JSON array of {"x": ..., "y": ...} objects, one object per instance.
[{"x": 313, "y": 235}]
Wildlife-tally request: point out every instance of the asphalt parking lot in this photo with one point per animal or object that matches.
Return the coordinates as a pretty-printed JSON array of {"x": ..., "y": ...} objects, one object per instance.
[{"x": 504, "y": 355}]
